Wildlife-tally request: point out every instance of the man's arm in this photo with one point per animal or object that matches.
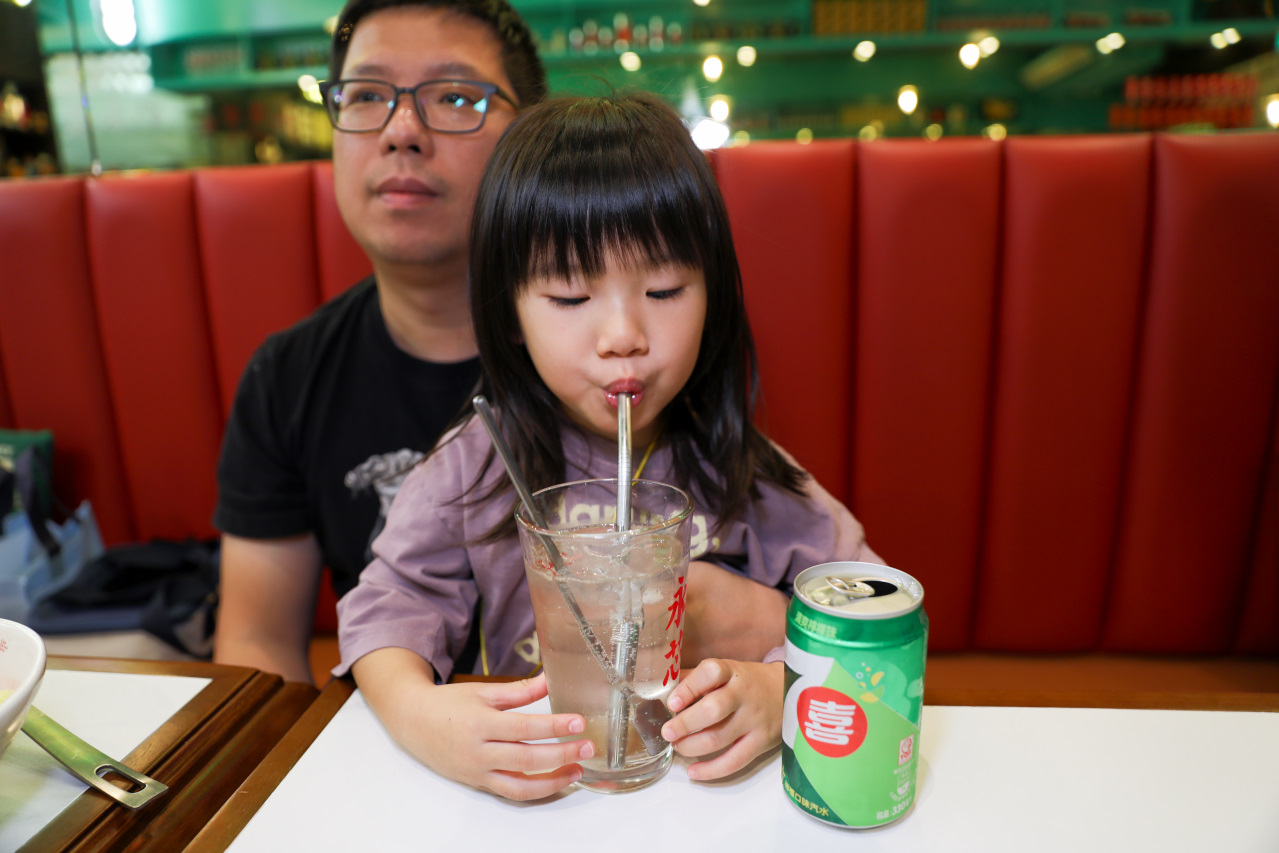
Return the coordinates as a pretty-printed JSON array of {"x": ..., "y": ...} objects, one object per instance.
[
  {"x": 267, "y": 606},
  {"x": 730, "y": 616}
]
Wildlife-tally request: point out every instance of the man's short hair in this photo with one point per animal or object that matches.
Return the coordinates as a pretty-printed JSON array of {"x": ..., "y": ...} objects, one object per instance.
[{"x": 519, "y": 54}]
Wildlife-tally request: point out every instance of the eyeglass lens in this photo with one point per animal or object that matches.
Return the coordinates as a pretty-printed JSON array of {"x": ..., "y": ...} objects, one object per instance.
[{"x": 446, "y": 105}]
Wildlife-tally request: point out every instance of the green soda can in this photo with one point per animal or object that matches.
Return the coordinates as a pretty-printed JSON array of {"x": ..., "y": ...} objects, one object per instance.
[{"x": 856, "y": 635}]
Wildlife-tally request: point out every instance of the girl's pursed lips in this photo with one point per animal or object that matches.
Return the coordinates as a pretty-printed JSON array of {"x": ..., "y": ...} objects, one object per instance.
[
  {"x": 629, "y": 385},
  {"x": 624, "y": 386}
]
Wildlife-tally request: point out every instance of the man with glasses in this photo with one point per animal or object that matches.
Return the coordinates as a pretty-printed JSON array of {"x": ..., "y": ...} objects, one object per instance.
[{"x": 332, "y": 413}]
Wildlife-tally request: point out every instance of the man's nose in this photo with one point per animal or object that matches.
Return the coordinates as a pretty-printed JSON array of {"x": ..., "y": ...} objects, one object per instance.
[{"x": 405, "y": 131}]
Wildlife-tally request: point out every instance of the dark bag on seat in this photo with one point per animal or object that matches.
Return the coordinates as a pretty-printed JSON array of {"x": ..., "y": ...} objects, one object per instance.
[{"x": 174, "y": 585}]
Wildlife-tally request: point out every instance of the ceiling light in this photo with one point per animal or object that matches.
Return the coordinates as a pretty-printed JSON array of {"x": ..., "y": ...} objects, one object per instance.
[
  {"x": 712, "y": 68},
  {"x": 709, "y": 134},
  {"x": 908, "y": 99}
]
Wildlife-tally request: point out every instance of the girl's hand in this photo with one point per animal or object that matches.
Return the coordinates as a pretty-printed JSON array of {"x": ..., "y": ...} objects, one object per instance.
[
  {"x": 729, "y": 705},
  {"x": 462, "y": 731}
]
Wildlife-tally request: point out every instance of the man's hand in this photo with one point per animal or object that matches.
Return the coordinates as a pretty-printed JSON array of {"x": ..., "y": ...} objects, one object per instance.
[
  {"x": 267, "y": 604},
  {"x": 730, "y": 616},
  {"x": 462, "y": 731}
]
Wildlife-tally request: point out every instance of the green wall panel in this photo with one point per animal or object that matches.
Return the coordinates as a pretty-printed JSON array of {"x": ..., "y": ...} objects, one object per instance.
[
  {"x": 173, "y": 20},
  {"x": 221, "y": 46}
]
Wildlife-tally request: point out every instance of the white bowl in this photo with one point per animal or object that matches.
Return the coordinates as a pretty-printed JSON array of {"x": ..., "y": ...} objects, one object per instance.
[{"x": 22, "y": 659}]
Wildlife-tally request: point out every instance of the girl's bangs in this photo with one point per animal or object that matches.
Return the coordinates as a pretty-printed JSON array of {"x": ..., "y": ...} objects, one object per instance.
[{"x": 631, "y": 203}]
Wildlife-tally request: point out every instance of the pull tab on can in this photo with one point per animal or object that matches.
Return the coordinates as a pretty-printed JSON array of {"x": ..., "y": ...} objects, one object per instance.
[
  {"x": 856, "y": 594},
  {"x": 861, "y": 587}
]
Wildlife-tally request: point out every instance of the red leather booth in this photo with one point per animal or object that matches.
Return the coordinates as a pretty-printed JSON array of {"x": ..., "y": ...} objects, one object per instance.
[{"x": 1044, "y": 371}]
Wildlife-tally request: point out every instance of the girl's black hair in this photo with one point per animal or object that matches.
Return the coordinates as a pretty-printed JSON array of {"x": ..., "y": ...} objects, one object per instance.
[{"x": 572, "y": 183}]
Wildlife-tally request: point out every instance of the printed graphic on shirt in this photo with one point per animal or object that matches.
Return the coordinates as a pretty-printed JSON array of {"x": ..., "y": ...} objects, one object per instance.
[
  {"x": 384, "y": 473},
  {"x": 698, "y": 543},
  {"x": 529, "y": 650}
]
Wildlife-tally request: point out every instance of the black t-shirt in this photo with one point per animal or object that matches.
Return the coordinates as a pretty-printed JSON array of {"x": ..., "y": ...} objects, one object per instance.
[{"x": 329, "y": 417}]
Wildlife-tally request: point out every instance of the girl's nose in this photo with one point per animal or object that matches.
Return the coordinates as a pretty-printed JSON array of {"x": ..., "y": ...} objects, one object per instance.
[{"x": 622, "y": 335}]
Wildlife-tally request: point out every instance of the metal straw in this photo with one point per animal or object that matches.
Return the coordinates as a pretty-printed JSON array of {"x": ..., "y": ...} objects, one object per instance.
[
  {"x": 623, "y": 463},
  {"x": 650, "y": 714},
  {"x": 626, "y": 634}
]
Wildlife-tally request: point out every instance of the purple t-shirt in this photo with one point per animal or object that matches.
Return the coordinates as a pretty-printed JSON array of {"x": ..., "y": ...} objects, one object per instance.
[{"x": 419, "y": 593}]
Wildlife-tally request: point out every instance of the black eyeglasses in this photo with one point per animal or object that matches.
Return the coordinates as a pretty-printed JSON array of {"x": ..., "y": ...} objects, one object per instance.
[{"x": 444, "y": 106}]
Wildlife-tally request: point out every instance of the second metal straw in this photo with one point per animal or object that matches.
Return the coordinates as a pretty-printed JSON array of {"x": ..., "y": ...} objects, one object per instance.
[{"x": 650, "y": 714}]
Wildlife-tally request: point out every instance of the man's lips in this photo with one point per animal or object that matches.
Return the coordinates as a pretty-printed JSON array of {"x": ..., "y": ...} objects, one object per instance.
[{"x": 401, "y": 190}]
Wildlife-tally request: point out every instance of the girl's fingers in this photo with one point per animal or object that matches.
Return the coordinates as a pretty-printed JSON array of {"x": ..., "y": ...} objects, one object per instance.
[
  {"x": 710, "y": 739},
  {"x": 710, "y": 710},
  {"x": 517, "y": 786},
  {"x": 731, "y": 760},
  {"x": 514, "y": 727},
  {"x": 521, "y": 727},
  {"x": 533, "y": 758},
  {"x": 515, "y": 694},
  {"x": 709, "y": 675}
]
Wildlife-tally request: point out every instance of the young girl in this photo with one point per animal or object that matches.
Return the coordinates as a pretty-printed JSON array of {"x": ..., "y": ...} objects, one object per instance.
[{"x": 601, "y": 263}]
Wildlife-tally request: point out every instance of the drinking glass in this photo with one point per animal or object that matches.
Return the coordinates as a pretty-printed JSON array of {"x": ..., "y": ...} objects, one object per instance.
[{"x": 630, "y": 589}]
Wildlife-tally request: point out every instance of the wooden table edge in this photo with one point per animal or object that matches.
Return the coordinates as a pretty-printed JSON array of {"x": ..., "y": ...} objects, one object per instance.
[
  {"x": 224, "y": 770},
  {"x": 194, "y": 669},
  {"x": 236, "y": 813},
  {"x": 85, "y": 813}
]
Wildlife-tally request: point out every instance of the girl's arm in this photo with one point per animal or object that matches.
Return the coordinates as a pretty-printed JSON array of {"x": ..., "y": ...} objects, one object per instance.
[
  {"x": 464, "y": 732},
  {"x": 730, "y": 616}
]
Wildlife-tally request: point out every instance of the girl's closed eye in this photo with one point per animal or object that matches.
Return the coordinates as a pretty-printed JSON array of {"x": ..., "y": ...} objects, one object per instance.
[
  {"x": 567, "y": 301},
  {"x": 669, "y": 293}
]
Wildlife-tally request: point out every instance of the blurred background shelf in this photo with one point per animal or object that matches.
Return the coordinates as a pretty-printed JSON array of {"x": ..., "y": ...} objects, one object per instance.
[{"x": 199, "y": 83}]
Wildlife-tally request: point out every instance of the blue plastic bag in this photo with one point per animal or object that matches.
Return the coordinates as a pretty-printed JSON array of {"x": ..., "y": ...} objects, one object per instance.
[{"x": 30, "y": 572}]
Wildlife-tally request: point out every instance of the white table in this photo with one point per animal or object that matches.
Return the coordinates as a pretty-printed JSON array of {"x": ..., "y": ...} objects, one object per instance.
[{"x": 991, "y": 778}]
